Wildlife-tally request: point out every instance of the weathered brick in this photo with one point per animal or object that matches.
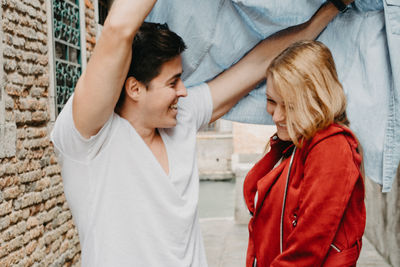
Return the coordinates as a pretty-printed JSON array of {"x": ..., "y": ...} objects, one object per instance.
[
  {"x": 14, "y": 231},
  {"x": 37, "y": 132},
  {"x": 31, "y": 11},
  {"x": 38, "y": 255},
  {"x": 2, "y": 171},
  {"x": 37, "y": 70},
  {"x": 52, "y": 170},
  {"x": 29, "y": 80},
  {"x": 9, "y": 102},
  {"x": 61, "y": 218},
  {"x": 16, "y": 78},
  {"x": 32, "y": 46},
  {"x": 56, "y": 179},
  {"x": 32, "y": 222},
  {"x": 50, "y": 236},
  {"x": 4, "y": 222},
  {"x": 43, "y": 60},
  {"x": 18, "y": 42},
  {"x": 34, "y": 3},
  {"x": 71, "y": 233},
  {"x": 28, "y": 199},
  {"x": 21, "y": 134},
  {"x": 18, "y": 215},
  {"x": 36, "y": 232},
  {"x": 5, "y": 208},
  {"x": 26, "y": 103},
  {"x": 13, "y": 258},
  {"x": 61, "y": 199},
  {"x": 8, "y": 26},
  {"x": 56, "y": 245},
  {"x": 13, "y": 90},
  {"x": 9, "y": 65},
  {"x": 31, "y": 57},
  {"x": 42, "y": 81},
  {"x": 23, "y": 117},
  {"x": 40, "y": 116},
  {"x": 15, "y": 243},
  {"x": 11, "y": 193},
  {"x": 37, "y": 91},
  {"x": 10, "y": 169},
  {"x": 42, "y": 184},
  {"x": 22, "y": 167},
  {"x": 7, "y": 38},
  {"x": 64, "y": 246},
  {"x": 24, "y": 68},
  {"x": 30, "y": 248}
]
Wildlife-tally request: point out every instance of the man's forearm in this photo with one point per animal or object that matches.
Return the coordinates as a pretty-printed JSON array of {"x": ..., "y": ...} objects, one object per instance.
[
  {"x": 250, "y": 70},
  {"x": 319, "y": 21},
  {"x": 309, "y": 30},
  {"x": 126, "y": 16}
]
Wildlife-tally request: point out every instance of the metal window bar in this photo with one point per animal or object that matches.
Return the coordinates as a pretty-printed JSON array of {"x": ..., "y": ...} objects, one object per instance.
[{"x": 66, "y": 32}]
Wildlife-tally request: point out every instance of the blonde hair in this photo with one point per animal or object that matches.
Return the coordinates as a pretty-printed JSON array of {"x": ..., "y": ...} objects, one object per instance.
[{"x": 304, "y": 76}]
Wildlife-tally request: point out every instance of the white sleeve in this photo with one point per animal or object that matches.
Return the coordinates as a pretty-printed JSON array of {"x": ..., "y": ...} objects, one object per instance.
[
  {"x": 199, "y": 102},
  {"x": 69, "y": 142}
]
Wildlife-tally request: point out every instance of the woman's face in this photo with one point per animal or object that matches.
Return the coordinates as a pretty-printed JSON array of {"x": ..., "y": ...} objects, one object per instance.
[{"x": 276, "y": 108}]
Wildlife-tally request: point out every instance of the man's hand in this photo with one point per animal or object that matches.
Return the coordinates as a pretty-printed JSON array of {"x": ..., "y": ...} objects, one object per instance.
[{"x": 99, "y": 87}]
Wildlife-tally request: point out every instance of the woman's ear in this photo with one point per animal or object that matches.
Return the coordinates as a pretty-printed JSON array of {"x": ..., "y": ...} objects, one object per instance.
[{"x": 134, "y": 88}]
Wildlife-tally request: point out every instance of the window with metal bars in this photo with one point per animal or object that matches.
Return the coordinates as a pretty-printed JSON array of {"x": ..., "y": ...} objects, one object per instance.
[{"x": 66, "y": 31}]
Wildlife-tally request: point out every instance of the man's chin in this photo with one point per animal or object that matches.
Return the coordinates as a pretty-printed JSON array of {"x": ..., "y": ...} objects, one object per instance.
[{"x": 171, "y": 124}]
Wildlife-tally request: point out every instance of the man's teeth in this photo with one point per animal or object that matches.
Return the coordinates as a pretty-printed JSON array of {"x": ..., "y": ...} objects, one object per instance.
[
  {"x": 175, "y": 106},
  {"x": 282, "y": 124}
]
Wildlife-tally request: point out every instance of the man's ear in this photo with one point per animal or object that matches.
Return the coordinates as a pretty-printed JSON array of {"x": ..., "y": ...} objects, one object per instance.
[{"x": 134, "y": 88}]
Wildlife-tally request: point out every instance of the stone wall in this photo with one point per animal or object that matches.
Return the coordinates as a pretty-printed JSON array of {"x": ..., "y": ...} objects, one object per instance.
[
  {"x": 35, "y": 223},
  {"x": 383, "y": 219}
]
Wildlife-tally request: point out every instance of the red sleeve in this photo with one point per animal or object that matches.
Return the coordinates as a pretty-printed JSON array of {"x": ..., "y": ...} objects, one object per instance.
[{"x": 330, "y": 175}]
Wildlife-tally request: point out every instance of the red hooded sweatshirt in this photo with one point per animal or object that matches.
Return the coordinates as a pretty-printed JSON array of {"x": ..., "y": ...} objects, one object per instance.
[{"x": 324, "y": 212}]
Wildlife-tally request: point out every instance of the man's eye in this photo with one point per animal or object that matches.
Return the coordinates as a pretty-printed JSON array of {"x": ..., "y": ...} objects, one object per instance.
[{"x": 270, "y": 101}]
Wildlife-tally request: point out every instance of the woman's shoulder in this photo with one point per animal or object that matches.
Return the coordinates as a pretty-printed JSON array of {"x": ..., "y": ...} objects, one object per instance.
[
  {"x": 333, "y": 135},
  {"x": 334, "y": 142}
]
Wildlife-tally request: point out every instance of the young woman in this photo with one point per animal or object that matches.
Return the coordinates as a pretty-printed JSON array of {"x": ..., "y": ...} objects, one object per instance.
[{"x": 306, "y": 194}]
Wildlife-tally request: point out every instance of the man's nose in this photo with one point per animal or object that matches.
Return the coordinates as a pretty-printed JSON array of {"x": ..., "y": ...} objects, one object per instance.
[{"x": 181, "y": 92}]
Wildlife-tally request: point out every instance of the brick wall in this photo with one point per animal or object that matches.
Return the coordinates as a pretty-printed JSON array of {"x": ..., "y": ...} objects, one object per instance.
[
  {"x": 91, "y": 27},
  {"x": 35, "y": 223}
]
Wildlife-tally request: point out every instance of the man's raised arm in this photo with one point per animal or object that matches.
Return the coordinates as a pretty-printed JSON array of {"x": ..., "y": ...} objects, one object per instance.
[
  {"x": 230, "y": 86},
  {"x": 99, "y": 87}
]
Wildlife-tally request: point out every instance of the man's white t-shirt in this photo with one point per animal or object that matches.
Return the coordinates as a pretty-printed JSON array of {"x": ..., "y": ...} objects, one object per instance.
[{"x": 128, "y": 211}]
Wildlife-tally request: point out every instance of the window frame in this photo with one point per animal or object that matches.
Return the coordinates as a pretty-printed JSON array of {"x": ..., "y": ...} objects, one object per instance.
[{"x": 52, "y": 52}]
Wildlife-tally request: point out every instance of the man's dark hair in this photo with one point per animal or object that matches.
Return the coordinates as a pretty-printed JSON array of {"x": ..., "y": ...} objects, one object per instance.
[{"x": 153, "y": 45}]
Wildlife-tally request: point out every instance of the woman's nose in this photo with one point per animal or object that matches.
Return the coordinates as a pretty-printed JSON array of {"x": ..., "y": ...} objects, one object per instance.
[{"x": 279, "y": 114}]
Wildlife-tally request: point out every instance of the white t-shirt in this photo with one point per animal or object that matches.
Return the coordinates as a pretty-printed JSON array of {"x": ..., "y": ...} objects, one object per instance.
[{"x": 128, "y": 211}]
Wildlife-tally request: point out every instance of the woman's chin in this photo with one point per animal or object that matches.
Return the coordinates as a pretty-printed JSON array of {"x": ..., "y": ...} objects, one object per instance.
[{"x": 283, "y": 135}]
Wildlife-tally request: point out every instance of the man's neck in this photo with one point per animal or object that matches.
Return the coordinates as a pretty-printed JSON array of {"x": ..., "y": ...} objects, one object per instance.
[
  {"x": 149, "y": 135},
  {"x": 136, "y": 119}
]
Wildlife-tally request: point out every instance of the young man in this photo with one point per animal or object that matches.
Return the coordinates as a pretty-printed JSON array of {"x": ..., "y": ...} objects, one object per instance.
[{"x": 130, "y": 176}]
